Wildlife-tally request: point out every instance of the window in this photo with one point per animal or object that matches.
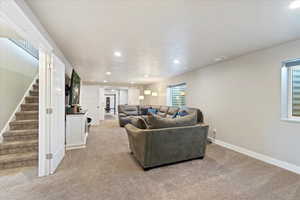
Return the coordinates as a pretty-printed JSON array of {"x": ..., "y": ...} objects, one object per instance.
[
  {"x": 290, "y": 94},
  {"x": 25, "y": 45},
  {"x": 176, "y": 95},
  {"x": 295, "y": 81}
]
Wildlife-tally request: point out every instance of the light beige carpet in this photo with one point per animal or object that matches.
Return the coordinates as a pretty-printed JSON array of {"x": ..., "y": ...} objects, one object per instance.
[{"x": 106, "y": 171}]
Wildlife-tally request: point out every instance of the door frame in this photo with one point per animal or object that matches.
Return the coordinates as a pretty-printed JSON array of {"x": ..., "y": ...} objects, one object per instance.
[
  {"x": 57, "y": 149},
  {"x": 44, "y": 118}
]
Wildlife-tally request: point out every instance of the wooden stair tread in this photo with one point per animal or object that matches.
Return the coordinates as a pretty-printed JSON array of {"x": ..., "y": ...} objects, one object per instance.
[
  {"x": 31, "y": 104},
  {"x": 17, "y": 157},
  {"x": 21, "y": 132},
  {"x": 23, "y": 121},
  {"x": 32, "y": 97},
  {"x": 27, "y": 112},
  {"x": 21, "y": 143}
]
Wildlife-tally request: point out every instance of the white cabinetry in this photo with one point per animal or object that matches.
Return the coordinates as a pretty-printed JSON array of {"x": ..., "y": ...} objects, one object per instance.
[{"x": 76, "y": 131}]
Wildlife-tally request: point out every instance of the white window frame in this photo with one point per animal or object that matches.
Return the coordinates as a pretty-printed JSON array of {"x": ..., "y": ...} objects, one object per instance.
[
  {"x": 286, "y": 92},
  {"x": 169, "y": 93}
]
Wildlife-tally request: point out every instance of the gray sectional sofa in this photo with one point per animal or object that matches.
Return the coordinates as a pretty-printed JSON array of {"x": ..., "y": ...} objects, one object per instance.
[
  {"x": 127, "y": 112},
  {"x": 178, "y": 140}
]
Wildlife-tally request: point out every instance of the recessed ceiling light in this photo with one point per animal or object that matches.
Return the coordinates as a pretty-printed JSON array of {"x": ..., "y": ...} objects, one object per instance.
[
  {"x": 117, "y": 54},
  {"x": 105, "y": 81},
  {"x": 176, "y": 61},
  {"x": 108, "y": 73},
  {"x": 220, "y": 59},
  {"x": 295, "y": 4}
]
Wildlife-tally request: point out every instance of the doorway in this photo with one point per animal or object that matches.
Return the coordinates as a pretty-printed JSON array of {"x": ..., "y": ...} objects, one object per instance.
[
  {"x": 110, "y": 103},
  {"x": 113, "y": 97}
]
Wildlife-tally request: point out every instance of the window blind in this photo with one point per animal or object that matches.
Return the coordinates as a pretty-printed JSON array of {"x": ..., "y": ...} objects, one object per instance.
[
  {"x": 177, "y": 94},
  {"x": 296, "y": 90}
]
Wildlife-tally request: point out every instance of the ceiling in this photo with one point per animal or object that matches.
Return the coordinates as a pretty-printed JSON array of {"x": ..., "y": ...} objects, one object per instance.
[{"x": 151, "y": 34}]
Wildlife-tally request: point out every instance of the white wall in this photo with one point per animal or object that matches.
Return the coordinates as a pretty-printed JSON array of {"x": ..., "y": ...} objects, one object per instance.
[
  {"x": 30, "y": 25},
  {"x": 240, "y": 98},
  {"x": 17, "y": 71},
  {"x": 133, "y": 96},
  {"x": 123, "y": 96}
]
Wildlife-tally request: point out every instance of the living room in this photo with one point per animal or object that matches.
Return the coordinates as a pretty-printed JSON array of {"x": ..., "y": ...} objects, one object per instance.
[{"x": 187, "y": 100}]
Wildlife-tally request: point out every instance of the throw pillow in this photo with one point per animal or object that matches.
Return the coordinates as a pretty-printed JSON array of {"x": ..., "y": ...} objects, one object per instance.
[
  {"x": 139, "y": 122},
  {"x": 175, "y": 115},
  {"x": 161, "y": 114},
  {"x": 155, "y": 122},
  {"x": 152, "y": 110},
  {"x": 182, "y": 113},
  {"x": 144, "y": 111}
]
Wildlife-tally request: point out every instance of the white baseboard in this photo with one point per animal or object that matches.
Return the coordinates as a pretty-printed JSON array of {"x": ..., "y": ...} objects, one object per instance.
[{"x": 258, "y": 156}]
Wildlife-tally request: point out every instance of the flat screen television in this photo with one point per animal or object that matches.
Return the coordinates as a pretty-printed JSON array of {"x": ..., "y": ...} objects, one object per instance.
[{"x": 74, "y": 89}]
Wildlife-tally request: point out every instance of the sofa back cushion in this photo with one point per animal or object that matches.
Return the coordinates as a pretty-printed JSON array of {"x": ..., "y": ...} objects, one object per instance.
[
  {"x": 162, "y": 112},
  {"x": 198, "y": 113},
  {"x": 139, "y": 122},
  {"x": 129, "y": 110},
  {"x": 155, "y": 107},
  {"x": 164, "y": 109},
  {"x": 156, "y": 122},
  {"x": 172, "y": 112}
]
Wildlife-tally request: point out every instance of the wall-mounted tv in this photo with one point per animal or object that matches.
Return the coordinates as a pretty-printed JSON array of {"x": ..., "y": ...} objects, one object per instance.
[{"x": 75, "y": 89}]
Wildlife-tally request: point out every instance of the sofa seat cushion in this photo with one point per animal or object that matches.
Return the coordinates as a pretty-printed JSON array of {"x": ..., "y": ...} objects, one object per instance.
[
  {"x": 156, "y": 122},
  {"x": 139, "y": 122}
]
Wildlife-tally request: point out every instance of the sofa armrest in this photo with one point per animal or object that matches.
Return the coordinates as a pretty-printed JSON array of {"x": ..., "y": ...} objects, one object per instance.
[
  {"x": 122, "y": 115},
  {"x": 137, "y": 142}
]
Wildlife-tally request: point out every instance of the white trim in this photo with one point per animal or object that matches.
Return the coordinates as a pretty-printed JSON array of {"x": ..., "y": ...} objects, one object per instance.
[
  {"x": 18, "y": 108},
  {"x": 72, "y": 147},
  {"x": 258, "y": 156},
  {"x": 20, "y": 17},
  {"x": 293, "y": 119},
  {"x": 286, "y": 93},
  {"x": 44, "y": 145}
]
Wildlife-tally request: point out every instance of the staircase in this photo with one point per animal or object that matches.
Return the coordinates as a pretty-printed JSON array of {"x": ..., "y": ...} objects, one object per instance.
[{"x": 20, "y": 144}]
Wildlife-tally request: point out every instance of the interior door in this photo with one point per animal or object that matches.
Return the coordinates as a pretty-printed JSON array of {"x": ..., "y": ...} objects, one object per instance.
[
  {"x": 57, "y": 122},
  {"x": 90, "y": 101}
]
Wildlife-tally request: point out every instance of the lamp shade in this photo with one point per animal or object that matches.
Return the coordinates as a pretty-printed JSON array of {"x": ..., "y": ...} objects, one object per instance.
[
  {"x": 154, "y": 94},
  {"x": 141, "y": 97},
  {"x": 147, "y": 92}
]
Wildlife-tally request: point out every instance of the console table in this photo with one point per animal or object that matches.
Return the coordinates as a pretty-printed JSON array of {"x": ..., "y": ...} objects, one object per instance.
[{"x": 76, "y": 130}]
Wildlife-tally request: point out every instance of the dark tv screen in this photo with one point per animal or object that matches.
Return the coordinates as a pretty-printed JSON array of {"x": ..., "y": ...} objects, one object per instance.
[{"x": 75, "y": 89}]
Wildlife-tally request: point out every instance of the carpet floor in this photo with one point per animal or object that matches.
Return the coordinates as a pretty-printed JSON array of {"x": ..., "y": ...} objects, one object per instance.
[{"x": 106, "y": 171}]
